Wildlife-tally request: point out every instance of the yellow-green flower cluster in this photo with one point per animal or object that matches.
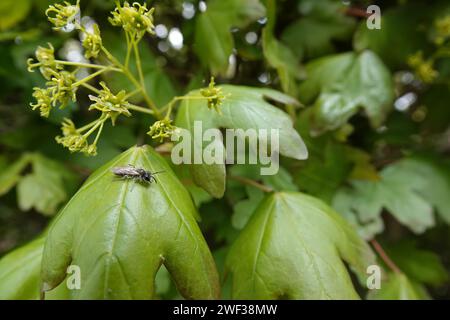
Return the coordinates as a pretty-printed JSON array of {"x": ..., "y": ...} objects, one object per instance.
[
  {"x": 423, "y": 68},
  {"x": 442, "y": 30},
  {"x": 110, "y": 104},
  {"x": 43, "y": 101},
  {"x": 60, "y": 90},
  {"x": 92, "y": 43},
  {"x": 161, "y": 130},
  {"x": 64, "y": 15},
  {"x": 75, "y": 141},
  {"x": 213, "y": 95},
  {"x": 60, "y": 87},
  {"x": 136, "y": 19}
]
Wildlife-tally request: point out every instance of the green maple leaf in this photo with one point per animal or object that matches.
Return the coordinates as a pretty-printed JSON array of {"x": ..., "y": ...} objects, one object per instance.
[
  {"x": 408, "y": 189},
  {"x": 340, "y": 85},
  {"x": 293, "y": 247},
  {"x": 243, "y": 108},
  {"x": 120, "y": 232},
  {"x": 42, "y": 189},
  {"x": 20, "y": 274}
]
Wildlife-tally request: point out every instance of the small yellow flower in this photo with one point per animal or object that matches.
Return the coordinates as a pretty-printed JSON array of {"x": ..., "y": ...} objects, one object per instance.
[
  {"x": 423, "y": 68},
  {"x": 90, "y": 150},
  {"x": 161, "y": 129},
  {"x": 136, "y": 19},
  {"x": 45, "y": 61},
  {"x": 426, "y": 72},
  {"x": 62, "y": 89},
  {"x": 75, "y": 142},
  {"x": 110, "y": 104},
  {"x": 416, "y": 59},
  {"x": 214, "y": 95},
  {"x": 43, "y": 101},
  {"x": 64, "y": 15},
  {"x": 68, "y": 127},
  {"x": 92, "y": 43}
]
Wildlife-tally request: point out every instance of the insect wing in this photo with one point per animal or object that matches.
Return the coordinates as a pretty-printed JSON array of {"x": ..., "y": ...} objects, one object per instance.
[{"x": 125, "y": 171}]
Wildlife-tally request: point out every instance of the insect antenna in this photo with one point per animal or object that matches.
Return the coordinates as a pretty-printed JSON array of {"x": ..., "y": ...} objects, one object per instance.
[{"x": 153, "y": 173}]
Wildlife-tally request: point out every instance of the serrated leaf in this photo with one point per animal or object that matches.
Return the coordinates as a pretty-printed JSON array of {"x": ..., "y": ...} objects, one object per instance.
[
  {"x": 43, "y": 189},
  {"x": 20, "y": 274},
  {"x": 345, "y": 83},
  {"x": 408, "y": 189},
  {"x": 244, "y": 108},
  {"x": 294, "y": 247},
  {"x": 213, "y": 39},
  {"x": 120, "y": 232},
  {"x": 322, "y": 22}
]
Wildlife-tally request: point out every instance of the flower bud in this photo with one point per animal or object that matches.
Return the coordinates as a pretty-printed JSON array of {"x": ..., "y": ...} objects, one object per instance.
[
  {"x": 136, "y": 19},
  {"x": 161, "y": 129}
]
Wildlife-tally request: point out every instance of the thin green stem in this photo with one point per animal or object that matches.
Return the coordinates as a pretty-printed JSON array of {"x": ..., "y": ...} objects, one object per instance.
[
  {"x": 89, "y": 125},
  {"x": 127, "y": 72},
  {"x": 89, "y": 77},
  {"x": 132, "y": 93},
  {"x": 138, "y": 62},
  {"x": 99, "y": 132},
  {"x": 87, "y": 65},
  {"x": 129, "y": 47},
  {"x": 92, "y": 88},
  {"x": 140, "y": 109},
  {"x": 98, "y": 122},
  {"x": 169, "y": 106}
]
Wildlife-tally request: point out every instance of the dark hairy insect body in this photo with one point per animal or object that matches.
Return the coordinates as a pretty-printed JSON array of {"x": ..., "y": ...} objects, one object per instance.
[{"x": 137, "y": 174}]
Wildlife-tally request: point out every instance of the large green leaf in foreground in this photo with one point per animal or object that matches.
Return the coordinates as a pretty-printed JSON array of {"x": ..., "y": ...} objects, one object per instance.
[
  {"x": 120, "y": 232},
  {"x": 20, "y": 274},
  {"x": 293, "y": 247}
]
